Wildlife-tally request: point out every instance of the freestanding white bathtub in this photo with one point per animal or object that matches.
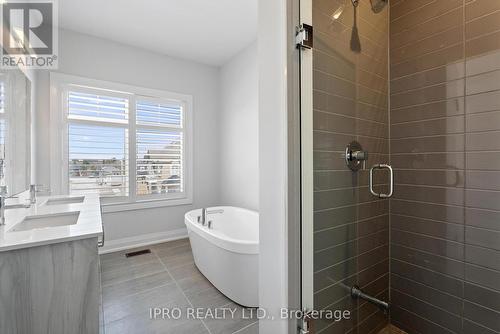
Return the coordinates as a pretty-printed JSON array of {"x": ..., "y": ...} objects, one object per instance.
[{"x": 228, "y": 252}]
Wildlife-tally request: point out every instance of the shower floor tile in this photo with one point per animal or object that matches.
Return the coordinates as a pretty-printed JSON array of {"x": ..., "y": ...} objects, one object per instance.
[
  {"x": 164, "y": 278},
  {"x": 391, "y": 329}
]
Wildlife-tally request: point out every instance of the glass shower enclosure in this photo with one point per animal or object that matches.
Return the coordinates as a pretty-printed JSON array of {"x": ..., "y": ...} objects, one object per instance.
[{"x": 400, "y": 159}]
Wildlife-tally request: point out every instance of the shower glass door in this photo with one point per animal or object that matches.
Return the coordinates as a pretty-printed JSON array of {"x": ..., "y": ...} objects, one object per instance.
[
  {"x": 345, "y": 228},
  {"x": 433, "y": 248}
]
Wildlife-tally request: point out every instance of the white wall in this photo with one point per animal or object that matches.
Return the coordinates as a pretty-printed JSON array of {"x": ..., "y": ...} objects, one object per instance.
[
  {"x": 96, "y": 58},
  {"x": 273, "y": 156},
  {"x": 239, "y": 130}
]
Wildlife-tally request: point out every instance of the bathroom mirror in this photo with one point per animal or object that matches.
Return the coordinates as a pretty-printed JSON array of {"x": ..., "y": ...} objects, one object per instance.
[{"x": 15, "y": 130}]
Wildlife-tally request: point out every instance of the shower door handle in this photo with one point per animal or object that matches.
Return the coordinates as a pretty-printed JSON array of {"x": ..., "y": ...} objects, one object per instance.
[{"x": 391, "y": 180}]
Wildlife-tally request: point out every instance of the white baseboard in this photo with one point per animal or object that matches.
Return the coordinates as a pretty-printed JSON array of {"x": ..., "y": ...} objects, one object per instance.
[{"x": 142, "y": 240}]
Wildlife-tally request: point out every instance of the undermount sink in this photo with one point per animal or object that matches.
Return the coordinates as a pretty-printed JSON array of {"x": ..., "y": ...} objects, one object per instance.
[
  {"x": 65, "y": 200},
  {"x": 44, "y": 221}
]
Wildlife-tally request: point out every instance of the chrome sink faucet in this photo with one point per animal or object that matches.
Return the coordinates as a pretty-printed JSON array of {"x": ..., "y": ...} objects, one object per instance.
[
  {"x": 3, "y": 194},
  {"x": 32, "y": 193},
  {"x": 34, "y": 188},
  {"x": 3, "y": 206}
]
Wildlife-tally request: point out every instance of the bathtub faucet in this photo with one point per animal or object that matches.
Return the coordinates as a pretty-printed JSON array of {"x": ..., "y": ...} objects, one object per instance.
[{"x": 204, "y": 213}]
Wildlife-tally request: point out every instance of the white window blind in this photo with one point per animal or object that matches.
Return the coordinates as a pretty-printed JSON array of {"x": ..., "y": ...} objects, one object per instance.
[
  {"x": 160, "y": 148},
  {"x": 97, "y": 144},
  {"x": 2, "y": 97},
  {"x": 157, "y": 113},
  {"x": 97, "y": 107}
]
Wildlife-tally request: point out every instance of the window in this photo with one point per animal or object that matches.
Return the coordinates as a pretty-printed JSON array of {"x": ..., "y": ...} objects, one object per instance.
[{"x": 129, "y": 145}]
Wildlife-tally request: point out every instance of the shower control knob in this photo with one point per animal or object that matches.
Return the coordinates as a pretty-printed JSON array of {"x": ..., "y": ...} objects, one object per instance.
[
  {"x": 355, "y": 157},
  {"x": 359, "y": 155}
]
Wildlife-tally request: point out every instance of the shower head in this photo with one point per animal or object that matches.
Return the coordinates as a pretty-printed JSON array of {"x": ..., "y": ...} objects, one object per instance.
[{"x": 378, "y": 5}]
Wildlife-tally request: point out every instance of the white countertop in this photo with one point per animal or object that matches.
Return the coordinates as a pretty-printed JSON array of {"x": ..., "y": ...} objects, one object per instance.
[{"x": 88, "y": 225}]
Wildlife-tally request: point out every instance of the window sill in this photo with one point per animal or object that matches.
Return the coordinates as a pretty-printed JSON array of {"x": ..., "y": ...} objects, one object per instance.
[{"x": 146, "y": 204}]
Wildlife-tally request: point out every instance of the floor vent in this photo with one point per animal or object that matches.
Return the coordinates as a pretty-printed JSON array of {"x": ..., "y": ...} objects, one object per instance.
[{"x": 141, "y": 252}]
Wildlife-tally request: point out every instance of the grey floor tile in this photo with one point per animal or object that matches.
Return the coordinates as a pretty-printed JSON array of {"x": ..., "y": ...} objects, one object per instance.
[
  {"x": 142, "y": 324},
  {"x": 112, "y": 293},
  {"x": 184, "y": 271},
  {"x": 228, "y": 325},
  {"x": 209, "y": 297},
  {"x": 164, "y": 296},
  {"x": 111, "y": 256},
  {"x": 173, "y": 261},
  {"x": 187, "y": 327},
  {"x": 125, "y": 273},
  {"x": 194, "y": 283},
  {"x": 169, "y": 245},
  {"x": 119, "y": 254},
  {"x": 251, "y": 329},
  {"x": 121, "y": 260},
  {"x": 179, "y": 250},
  {"x": 131, "y": 286}
]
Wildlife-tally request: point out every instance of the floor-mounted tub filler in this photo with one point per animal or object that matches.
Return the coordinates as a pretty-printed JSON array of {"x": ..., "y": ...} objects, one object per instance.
[{"x": 225, "y": 244}]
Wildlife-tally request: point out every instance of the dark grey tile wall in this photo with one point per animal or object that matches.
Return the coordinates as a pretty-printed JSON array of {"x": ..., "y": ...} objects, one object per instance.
[
  {"x": 435, "y": 249},
  {"x": 482, "y": 180},
  {"x": 350, "y": 103},
  {"x": 445, "y": 147}
]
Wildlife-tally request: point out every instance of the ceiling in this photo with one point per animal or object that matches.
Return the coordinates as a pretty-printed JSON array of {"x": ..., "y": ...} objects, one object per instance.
[{"x": 206, "y": 31}]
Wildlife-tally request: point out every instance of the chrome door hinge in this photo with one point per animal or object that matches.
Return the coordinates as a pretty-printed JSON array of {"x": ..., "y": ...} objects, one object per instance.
[
  {"x": 306, "y": 325},
  {"x": 304, "y": 36}
]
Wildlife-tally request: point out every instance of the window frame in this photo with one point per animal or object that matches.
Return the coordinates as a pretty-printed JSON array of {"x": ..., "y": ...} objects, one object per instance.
[
  {"x": 60, "y": 84},
  {"x": 6, "y": 117},
  {"x": 13, "y": 165}
]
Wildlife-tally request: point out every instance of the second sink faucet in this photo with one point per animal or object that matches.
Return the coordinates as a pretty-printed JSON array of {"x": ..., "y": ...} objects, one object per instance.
[
  {"x": 35, "y": 188},
  {"x": 3, "y": 206},
  {"x": 32, "y": 193},
  {"x": 205, "y": 212},
  {"x": 3, "y": 195}
]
